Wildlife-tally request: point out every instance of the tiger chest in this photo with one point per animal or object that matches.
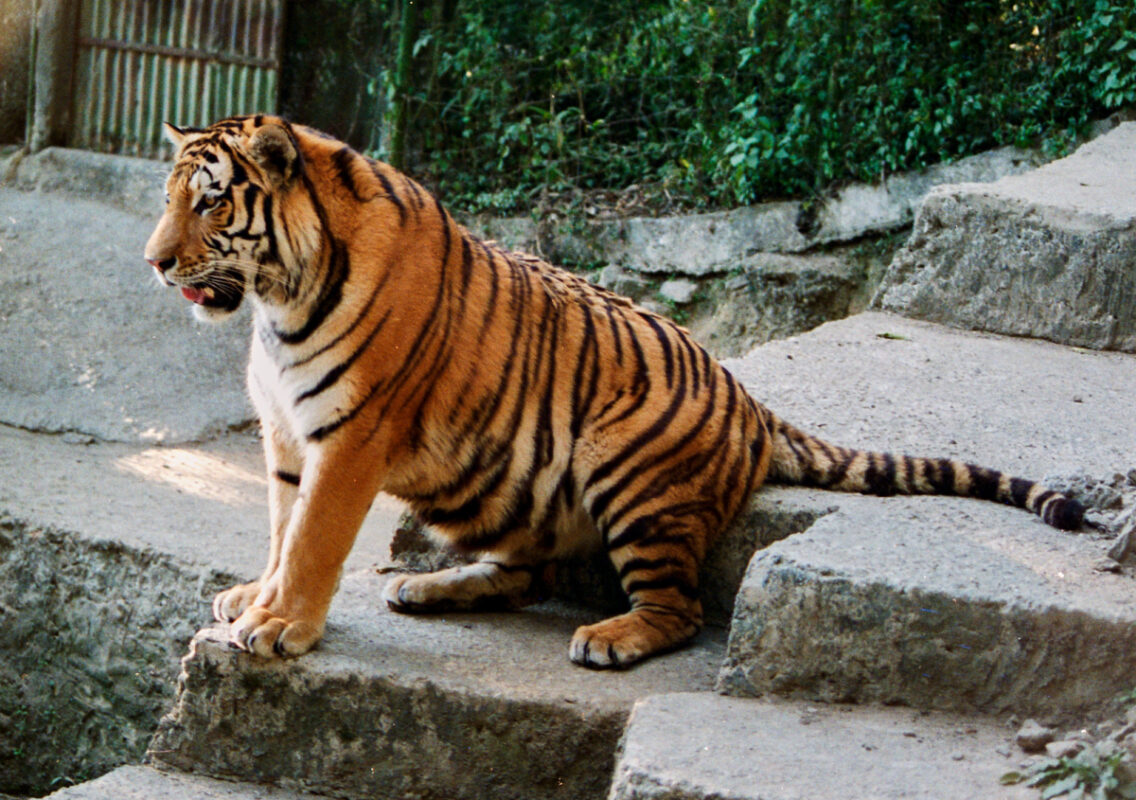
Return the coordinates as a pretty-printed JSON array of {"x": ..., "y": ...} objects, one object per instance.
[{"x": 282, "y": 393}]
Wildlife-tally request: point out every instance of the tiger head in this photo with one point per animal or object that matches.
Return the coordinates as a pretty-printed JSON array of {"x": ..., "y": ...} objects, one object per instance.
[{"x": 215, "y": 240}]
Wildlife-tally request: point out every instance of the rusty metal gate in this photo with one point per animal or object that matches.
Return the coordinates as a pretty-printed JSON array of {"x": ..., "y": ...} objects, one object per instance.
[{"x": 141, "y": 62}]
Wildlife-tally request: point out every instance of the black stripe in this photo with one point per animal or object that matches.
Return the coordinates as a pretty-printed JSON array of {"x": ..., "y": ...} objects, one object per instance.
[
  {"x": 984, "y": 482},
  {"x": 388, "y": 188},
  {"x": 942, "y": 477},
  {"x": 336, "y": 372},
  {"x": 671, "y": 581},
  {"x": 879, "y": 477},
  {"x": 645, "y": 564},
  {"x": 658, "y": 427},
  {"x": 344, "y": 162},
  {"x": 287, "y": 477},
  {"x": 1019, "y": 491}
]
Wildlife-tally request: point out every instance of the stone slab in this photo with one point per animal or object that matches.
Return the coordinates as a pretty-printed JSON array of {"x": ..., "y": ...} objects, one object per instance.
[
  {"x": 701, "y": 244},
  {"x": 941, "y": 602},
  {"x": 147, "y": 783},
  {"x": 883, "y": 382},
  {"x": 442, "y": 706},
  {"x": 203, "y": 505},
  {"x": 1050, "y": 253},
  {"x": 92, "y": 343},
  {"x": 936, "y": 603},
  {"x": 697, "y": 746}
]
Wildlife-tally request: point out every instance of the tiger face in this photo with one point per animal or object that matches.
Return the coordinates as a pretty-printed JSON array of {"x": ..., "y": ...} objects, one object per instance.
[{"x": 210, "y": 241}]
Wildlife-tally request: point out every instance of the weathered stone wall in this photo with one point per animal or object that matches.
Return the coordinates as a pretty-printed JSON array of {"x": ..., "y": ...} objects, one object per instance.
[{"x": 90, "y": 640}]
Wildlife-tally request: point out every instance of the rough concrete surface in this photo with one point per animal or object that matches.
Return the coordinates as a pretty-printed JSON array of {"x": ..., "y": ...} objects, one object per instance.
[
  {"x": 696, "y": 746},
  {"x": 92, "y": 343},
  {"x": 147, "y": 783},
  {"x": 940, "y": 602},
  {"x": 882, "y": 382},
  {"x": 1051, "y": 253},
  {"x": 935, "y": 603},
  {"x": 442, "y": 706}
]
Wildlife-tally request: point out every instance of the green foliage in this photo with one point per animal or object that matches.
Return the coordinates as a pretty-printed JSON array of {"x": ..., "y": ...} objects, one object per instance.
[
  {"x": 721, "y": 102},
  {"x": 1089, "y": 775}
]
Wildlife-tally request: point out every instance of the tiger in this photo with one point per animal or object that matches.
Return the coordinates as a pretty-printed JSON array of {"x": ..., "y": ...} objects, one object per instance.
[{"x": 525, "y": 414}]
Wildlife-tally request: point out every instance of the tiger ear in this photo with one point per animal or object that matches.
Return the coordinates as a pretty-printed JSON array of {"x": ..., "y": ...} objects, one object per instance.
[
  {"x": 274, "y": 150},
  {"x": 175, "y": 134}
]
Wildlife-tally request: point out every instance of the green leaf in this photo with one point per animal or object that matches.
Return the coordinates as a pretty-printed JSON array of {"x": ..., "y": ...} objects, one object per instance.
[{"x": 1067, "y": 784}]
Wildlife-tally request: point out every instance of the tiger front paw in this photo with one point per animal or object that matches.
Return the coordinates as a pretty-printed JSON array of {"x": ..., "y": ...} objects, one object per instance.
[
  {"x": 261, "y": 632},
  {"x": 622, "y": 641},
  {"x": 231, "y": 603}
]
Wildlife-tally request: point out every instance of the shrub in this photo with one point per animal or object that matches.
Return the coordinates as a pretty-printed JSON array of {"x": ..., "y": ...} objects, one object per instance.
[{"x": 721, "y": 102}]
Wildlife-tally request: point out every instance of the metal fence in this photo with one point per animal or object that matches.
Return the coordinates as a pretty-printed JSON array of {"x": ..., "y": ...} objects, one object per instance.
[{"x": 141, "y": 62}]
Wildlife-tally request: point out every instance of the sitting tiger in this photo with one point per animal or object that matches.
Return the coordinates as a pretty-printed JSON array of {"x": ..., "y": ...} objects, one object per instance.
[{"x": 524, "y": 413}]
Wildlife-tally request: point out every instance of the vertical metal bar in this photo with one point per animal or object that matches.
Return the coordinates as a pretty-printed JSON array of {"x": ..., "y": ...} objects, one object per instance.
[
  {"x": 153, "y": 81},
  {"x": 165, "y": 20},
  {"x": 189, "y": 65},
  {"x": 113, "y": 84},
  {"x": 85, "y": 94},
  {"x": 142, "y": 131},
  {"x": 130, "y": 78},
  {"x": 98, "y": 77}
]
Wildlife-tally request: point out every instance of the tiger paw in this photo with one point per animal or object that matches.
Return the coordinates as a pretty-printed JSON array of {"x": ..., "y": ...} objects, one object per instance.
[
  {"x": 411, "y": 594},
  {"x": 483, "y": 586},
  {"x": 261, "y": 632},
  {"x": 231, "y": 603},
  {"x": 621, "y": 641}
]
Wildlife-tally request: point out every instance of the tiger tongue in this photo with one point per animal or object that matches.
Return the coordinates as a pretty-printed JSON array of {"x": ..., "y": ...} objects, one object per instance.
[{"x": 193, "y": 294}]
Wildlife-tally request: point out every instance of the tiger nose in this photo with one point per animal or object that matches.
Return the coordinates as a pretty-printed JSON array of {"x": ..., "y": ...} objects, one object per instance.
[{"x": 161, "y": 264}]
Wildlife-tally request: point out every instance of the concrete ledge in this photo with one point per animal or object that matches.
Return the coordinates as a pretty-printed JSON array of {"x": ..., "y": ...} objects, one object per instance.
[
  {"x": 699, "y": 746},
  {"x": 135, "y": 185},
  {"x": 936, "y": 603},
  {"x": 147, "y": 783},
  {"x": 389, "y": 706},
  {"x": 1050, "y": 254}
]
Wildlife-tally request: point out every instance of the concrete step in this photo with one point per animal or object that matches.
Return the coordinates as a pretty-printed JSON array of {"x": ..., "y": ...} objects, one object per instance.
[
  {"x": 1049, "y": 253},
  {"x": 391, "y": 706},
  {"x": 147, "y": 783},
  {"x": 699, "y": 746},
  {"x": 940, "y": 602}
]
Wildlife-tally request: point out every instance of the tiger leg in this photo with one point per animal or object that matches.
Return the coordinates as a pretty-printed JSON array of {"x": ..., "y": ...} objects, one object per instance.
[
  {"x": 287, "y": 616},
  {"x": 284, "y": 461},
  {"x": 658, "y": 569},
  {"x": 481, "y": 586}
]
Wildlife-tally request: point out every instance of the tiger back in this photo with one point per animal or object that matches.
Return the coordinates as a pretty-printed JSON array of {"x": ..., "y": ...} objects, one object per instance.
[{"x": 525, "y": 414}]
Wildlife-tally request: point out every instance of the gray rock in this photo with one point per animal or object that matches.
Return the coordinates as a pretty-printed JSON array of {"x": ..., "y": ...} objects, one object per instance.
[
  {"x": 135, "y": 185},
  {"x": 697, "y": 746},
  {"x": 678, "y": 290},
  {"x": 1050, "y": 254},
  {"x": 936, "y": 603},
  {"x": 147, "y": 783},
  {"x": 1032, "y": 737},
  {"x": 1065, "y": 748}
]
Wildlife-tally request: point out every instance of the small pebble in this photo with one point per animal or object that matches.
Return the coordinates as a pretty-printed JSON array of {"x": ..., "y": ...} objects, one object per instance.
[
  {"x": 1033, "y": 736},
  {"x": 1066, "y": 748}
]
